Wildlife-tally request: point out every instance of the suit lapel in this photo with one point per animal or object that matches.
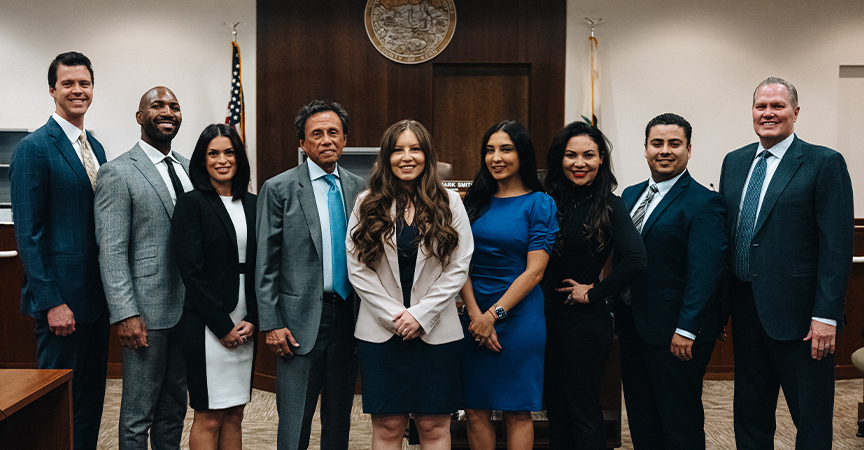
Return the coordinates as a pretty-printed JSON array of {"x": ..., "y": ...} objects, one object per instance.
[
  {"x": 390, "y": 251},
  {"x": 61, "y": 142},
  {"x": 788, "y": 166},
  {"x": 630, "y": 196},
  {"x": 222, "y": 213},
  {"x": 422, "y": 257},
  {"x": 734, "y": 186},
  {"x": 310, "y": 209},
  {"x": 183, "y": 161},
  {"x": 144, "y": 165},
  {"x": 97, "y": 149},
  {"x": 675, "y": 191}
]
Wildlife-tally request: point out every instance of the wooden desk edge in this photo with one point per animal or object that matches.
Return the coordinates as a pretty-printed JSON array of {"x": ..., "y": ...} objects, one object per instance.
[{"x": 12, "y": 402}]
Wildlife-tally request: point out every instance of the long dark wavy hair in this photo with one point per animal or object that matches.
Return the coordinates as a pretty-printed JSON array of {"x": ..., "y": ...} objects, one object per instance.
[
  {"x": 433, "y": 219},
  {"x": 479, "y": 195},
  {"x": 597, "y": 227}
]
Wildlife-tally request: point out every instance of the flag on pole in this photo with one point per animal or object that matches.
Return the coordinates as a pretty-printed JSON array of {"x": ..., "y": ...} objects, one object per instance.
[
  {"x": 236, "y": 117},
  {"x": 592, "y": 87}
]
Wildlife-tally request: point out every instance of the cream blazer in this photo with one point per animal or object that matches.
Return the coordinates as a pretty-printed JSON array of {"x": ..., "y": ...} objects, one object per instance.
[{"x": 433, "y": 296}]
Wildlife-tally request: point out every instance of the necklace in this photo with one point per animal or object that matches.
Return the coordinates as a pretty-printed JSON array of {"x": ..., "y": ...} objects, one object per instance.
[{"x": 575, "y": 204}]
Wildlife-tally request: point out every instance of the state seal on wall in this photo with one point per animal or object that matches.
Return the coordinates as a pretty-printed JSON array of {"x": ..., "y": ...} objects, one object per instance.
[{"x": 410, "y": 31}]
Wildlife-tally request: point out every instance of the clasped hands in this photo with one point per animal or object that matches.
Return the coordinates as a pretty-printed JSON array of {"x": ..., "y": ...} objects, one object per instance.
[
  {"x": 406, "y": 325},
  {"x": 482, "y": 328},
  {"x": 239, "y": 335}
]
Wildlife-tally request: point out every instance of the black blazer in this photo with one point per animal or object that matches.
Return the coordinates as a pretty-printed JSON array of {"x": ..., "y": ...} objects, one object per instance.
[
  {"x": 801, "y": 253},
  {"x": 205, "y": 245},
  {"x": 685, "y": 240}
]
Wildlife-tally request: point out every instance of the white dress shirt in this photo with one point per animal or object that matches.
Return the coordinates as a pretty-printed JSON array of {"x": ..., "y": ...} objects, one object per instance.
[
  {"x": 663, "y": 188},
  {"x": 73, "y": 133},
  {"x": 156, "y": 157},
  {"x": 772, "y": 160},
  {"x": 321, "y": 188}
]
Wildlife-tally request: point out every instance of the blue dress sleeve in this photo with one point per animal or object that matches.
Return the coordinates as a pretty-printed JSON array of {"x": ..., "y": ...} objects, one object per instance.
[{"x": 542, "y": 223}]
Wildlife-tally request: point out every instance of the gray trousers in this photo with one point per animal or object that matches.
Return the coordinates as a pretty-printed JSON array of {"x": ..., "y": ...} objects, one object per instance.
[
  {"x": 329, "y": 369},
  {"x": 154, "y": 393}
]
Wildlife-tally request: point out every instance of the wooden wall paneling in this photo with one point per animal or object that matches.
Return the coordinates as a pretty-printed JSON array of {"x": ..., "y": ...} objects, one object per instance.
[
  {"x": 467, "y": 100},
  {"x": 17, "y": 339},
  {"x": 319, "y": 49},
  {"x": 310, "y": 49}
]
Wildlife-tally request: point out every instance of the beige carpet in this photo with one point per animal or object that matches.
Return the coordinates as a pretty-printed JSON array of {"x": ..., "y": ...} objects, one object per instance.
[{"x": 259, "y": 424}]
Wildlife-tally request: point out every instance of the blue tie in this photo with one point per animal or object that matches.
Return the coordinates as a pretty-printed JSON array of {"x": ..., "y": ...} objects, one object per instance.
[
  {"x": 338, "y": 232},
  {"x": 747, "y": 219}
]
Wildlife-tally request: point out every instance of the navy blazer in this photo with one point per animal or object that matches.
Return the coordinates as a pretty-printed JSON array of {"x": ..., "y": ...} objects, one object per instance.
[
  {"x": 685, "y": 241},
  {"x": 52, "y": 207},
  {"x": 801, "y": 252}
]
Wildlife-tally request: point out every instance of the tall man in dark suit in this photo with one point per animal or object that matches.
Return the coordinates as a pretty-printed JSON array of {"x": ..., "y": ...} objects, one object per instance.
[
  {"x": 668, "y": 331},
  {"x": 135, "y": 197},
  {"x": 53, "y": 174},
  {"x": 305, "y": 303},
  {"x": 790, "y": 227}
]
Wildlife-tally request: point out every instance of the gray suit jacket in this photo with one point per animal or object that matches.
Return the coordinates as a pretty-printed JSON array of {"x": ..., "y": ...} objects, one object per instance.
[
  {"x": 133, "y": 229},
  {"x": 288, "y": 272}
]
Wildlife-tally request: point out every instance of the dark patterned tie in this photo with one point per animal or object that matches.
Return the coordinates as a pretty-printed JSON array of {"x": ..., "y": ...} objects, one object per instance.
[{"x": 747, "y": 218}]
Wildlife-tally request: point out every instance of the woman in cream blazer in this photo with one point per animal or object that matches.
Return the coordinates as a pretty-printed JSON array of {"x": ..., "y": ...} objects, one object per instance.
[{"x": 409, "y": 248}]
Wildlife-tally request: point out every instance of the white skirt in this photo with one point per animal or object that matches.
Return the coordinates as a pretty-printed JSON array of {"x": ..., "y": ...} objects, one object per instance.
[{"x": 229, "y": 371}]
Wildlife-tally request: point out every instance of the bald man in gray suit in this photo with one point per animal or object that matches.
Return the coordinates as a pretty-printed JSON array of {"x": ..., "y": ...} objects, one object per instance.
[{"x": 135, "y": 196}]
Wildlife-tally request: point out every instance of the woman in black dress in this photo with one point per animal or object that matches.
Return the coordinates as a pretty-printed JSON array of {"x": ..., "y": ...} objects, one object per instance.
[
  {"x": 593, "y": 223},
  {"x": 409, "y": 246},
  {"x": 214, "y": 239}
]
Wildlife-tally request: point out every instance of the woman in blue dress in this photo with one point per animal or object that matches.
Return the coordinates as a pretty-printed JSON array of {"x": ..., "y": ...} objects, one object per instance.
[{"x": 514, "y": 226}]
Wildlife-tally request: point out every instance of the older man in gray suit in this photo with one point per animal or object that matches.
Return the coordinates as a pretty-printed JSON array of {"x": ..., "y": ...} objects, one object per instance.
[
  {"x": 135, "y": 196},
  {"x": 305, "y": 303}
]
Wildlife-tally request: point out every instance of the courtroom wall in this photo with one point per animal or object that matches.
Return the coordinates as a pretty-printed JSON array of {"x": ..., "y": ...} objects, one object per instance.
[
  {"x": 703, "y": 58},
  {"x": 134, "y": 45},
  {"x": 699, "y": 58}
]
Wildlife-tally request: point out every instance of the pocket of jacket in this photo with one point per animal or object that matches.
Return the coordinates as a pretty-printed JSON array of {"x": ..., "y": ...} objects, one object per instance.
[{"x": 145, "y": 262}]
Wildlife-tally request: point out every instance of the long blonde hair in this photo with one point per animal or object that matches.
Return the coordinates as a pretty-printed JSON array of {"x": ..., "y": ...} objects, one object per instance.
[{"x": 433, "y": 218}]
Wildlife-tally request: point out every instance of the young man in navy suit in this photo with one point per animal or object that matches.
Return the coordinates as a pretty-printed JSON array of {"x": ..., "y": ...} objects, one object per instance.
[
  {"x": 53, "y": 175},
  {"x": 791, "y": 225},
  {"x": 668, "y": 330}
]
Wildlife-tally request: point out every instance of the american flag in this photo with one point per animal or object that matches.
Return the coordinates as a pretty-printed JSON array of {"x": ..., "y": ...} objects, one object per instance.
[{"x": 236, "y": 117}]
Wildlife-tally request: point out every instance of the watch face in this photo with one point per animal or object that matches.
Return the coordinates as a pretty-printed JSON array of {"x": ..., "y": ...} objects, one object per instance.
[{"x": 499, "y": 311}]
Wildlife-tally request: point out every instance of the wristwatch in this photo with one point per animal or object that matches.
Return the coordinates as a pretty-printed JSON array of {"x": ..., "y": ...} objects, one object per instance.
[{"x": 499, "y": 311}]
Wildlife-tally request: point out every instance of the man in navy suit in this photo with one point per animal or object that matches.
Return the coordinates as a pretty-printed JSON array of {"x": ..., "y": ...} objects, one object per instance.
[
  {"x": 53, "y": 175},
  {"x": 668, "y": 331},
  {"x": 791, "y": 226}
]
